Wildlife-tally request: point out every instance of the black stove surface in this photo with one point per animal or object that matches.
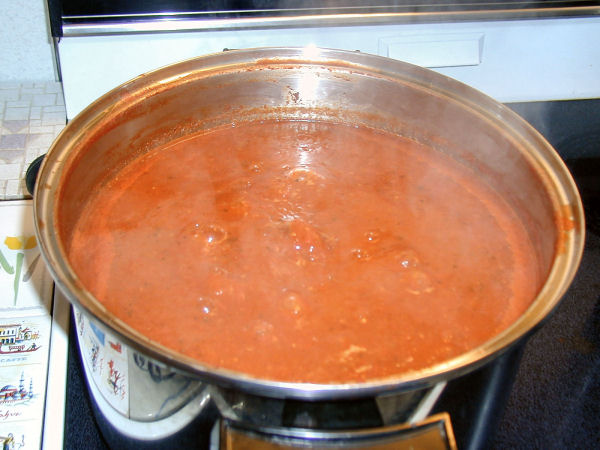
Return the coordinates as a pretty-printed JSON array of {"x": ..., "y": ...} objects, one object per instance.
[{"x": 555, "y": 399}]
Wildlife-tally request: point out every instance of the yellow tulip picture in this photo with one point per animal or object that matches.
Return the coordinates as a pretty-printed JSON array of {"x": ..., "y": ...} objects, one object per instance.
[{"x": 18, "y": 244}]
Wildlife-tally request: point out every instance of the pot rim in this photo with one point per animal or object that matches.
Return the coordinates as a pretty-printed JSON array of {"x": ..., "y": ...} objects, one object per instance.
[{"x": 542, "y": 156}]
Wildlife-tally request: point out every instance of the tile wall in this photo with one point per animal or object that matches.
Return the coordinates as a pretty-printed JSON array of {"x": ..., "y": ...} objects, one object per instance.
[{"x": 31, "y": 116}]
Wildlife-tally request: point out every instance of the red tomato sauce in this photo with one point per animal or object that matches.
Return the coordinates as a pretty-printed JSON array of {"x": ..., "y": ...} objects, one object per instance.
[{"x": 306, "y": 252}]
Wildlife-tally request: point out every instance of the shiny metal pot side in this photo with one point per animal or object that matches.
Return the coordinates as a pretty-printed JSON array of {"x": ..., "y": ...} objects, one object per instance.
[{"x": 313, "y": 84}]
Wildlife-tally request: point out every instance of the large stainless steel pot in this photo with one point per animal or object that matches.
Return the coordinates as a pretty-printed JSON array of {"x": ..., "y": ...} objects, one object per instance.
[{"x": 313, "y": 84}]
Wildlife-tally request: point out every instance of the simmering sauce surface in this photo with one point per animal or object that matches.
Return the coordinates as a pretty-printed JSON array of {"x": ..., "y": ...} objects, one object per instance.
[{"x": 305, "y": 252}]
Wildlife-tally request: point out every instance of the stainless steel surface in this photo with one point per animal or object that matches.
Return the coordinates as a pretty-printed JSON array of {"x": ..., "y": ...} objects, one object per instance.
[
  {"x": 325, "y": 17},
  {"x": 314, "y": 84}
]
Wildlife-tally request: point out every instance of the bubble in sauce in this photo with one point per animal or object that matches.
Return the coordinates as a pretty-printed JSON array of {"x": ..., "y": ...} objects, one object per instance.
[
  {"x": 305, "y": 175},
  {"x": 292, "y": 302},
  {"x": 373, "y": 236},
  {"x": 254, "y": 166},
  {"x": 407, "y": 258},
  {"x": 418, "y": 282},
  {"x": 207, "y": 306},
  {"x": 306, "y": 240},
  {"x": 211, "y": 234},
  {"x": 360, "y": 254}
]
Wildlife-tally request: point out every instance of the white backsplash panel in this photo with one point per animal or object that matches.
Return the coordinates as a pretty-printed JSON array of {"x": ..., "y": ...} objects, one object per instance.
[{"x": 511, "y": 60}]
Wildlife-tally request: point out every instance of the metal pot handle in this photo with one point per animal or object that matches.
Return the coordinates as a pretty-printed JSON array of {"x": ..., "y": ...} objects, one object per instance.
[{"x": 32, "y": 173}]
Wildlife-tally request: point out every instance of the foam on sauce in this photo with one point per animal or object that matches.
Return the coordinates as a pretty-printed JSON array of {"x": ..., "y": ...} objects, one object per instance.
[{"x": 305, "y": 252}]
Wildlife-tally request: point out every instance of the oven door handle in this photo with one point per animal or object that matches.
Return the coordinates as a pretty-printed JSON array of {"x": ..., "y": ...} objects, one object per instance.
[{"x": 434, "y": 432}]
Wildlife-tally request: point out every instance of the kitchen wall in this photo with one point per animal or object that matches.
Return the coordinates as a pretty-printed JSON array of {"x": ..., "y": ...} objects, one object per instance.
[{"x": 26, "y": 50}]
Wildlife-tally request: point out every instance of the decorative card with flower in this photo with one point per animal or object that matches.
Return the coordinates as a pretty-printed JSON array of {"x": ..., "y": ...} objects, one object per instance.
[{"x": 27, "y": 328}]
